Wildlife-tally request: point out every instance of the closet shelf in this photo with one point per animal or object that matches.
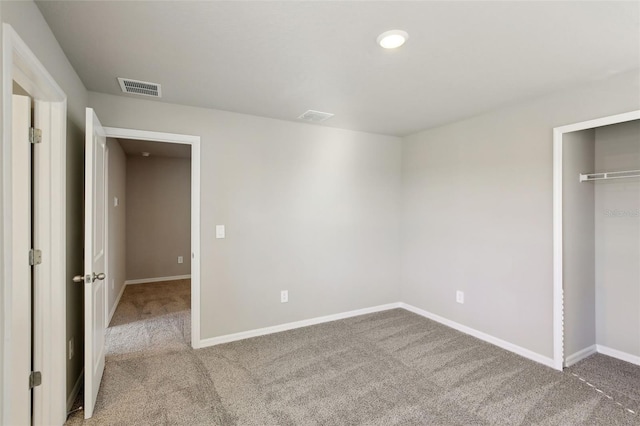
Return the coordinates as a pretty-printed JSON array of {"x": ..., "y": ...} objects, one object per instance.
[{"x": 587, "y": 177}]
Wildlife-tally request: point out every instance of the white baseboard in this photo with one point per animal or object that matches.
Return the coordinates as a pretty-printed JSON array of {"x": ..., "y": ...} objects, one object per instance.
[
  {"x": 157, "y": 280},
  {"x": 482, "y": 336},
  {"x": 604, "y": 350},
  {"x": 580, "y": 355},
  {"x": 115, "y": 305},
  {"x": 74, "y": 392},
  {"x": 292, "y": 325}
]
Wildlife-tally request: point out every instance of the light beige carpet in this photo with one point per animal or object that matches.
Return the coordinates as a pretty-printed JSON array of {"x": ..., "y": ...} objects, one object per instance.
[{"x": 388, "y": 368}]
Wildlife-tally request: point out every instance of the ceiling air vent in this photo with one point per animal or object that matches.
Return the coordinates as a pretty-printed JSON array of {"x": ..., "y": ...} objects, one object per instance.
[
  {"x": 315, "y": 116},
  {"x": 138, "y": 87}
]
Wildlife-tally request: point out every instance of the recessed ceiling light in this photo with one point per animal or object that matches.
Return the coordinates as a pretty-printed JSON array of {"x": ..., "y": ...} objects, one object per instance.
[
  {"x": 392, "y": 39},
  {"x": 145, "y": 154}
]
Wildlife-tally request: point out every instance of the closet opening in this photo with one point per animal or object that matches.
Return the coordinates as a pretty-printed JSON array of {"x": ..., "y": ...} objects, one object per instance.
[{"x": 597, "y": 254}]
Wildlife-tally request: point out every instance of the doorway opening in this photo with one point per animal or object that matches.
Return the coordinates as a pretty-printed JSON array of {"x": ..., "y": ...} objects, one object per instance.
[
  {"x": 147, "y": 249},
  {"x": 149, "y": 302},
  {"x": 148, "y": 233},
  {"x": 172, "y": 146}
]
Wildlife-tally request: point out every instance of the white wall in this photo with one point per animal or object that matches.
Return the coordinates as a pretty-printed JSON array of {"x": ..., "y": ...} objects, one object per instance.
[
  {"x": 309, "y": 209},
  {"x": 158, "y": 217},
  {"x": 477, "y": 212},
  {"x": 30, "y": 25},
  {"x": 617, "y": 225},
  {"x": 117, "y": 247},
  {"x": 578, "y": 242}
]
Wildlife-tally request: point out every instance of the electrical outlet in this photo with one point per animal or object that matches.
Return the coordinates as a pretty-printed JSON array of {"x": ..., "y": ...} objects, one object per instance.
[
  {"x": 460, "y": 296},
  {"x": 180, "y": 259},
  {"x": 284, "y": 296},
  {"x": 71, "y": 348}
]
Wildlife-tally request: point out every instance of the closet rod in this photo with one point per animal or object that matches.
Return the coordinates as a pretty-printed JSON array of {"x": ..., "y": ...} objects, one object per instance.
[{"x": 587, "y": 177}]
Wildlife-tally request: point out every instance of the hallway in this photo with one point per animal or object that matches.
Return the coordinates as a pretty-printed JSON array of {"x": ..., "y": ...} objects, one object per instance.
[{"x": 150, "y": 318}]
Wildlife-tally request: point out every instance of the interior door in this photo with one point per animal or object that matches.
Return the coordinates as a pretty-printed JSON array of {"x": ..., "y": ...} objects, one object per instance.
[
  {"x": 94, "y": 260},
  {"x": 19, "y": 338}
]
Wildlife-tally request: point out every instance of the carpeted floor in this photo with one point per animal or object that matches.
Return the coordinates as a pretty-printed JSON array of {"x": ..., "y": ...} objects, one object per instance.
[
  {"x": 613, "y": 377},
  {"x": 388, "y": 368}
]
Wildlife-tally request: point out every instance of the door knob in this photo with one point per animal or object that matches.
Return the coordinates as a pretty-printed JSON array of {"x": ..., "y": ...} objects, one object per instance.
[{"x": 89, "y": 278}]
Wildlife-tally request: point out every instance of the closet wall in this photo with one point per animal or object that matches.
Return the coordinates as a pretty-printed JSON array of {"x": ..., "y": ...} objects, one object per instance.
[
  {"x": 116, "y": 223},
  {"x": 617, "y": 239},
  {"x": 578, "y": 153}
]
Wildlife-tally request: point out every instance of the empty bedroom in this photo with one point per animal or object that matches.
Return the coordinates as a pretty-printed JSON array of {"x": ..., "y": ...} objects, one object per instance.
[{"x": 321, "y": 213}]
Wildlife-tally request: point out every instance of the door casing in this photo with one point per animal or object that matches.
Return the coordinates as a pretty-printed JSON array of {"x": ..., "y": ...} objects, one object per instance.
[
  {"x": 49, "y": 351},
  {"x": 194, "y": 141}
]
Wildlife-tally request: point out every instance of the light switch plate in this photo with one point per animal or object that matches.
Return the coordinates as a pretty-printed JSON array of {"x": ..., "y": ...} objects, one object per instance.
[
  {"x": 116, "y": 202},
  {"x": 220, "y": 233}
]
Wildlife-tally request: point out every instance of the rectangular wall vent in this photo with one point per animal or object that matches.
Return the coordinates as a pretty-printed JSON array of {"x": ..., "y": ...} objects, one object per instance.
[
  {"x": 315, "y": 116},
  {"x": 138, "y": 87}
]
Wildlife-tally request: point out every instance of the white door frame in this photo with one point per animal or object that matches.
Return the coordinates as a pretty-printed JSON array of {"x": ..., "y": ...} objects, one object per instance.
[
  {"x": 558, "y": 294},
  {"x": 194, "y": 141},
  {"x": 49, "y": 399},
  {"x": 107, "y": 205}
]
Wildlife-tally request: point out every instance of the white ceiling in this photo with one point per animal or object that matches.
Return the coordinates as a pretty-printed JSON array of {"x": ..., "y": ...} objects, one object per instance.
[
  {"x": 278, "y": 59},
  {"x": 134, "y": 147}
]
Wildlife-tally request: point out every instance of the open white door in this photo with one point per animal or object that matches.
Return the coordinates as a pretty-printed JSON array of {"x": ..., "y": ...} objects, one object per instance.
[
  {"x": 19, "y": 336},
  {"x": 94, "y": 260}
]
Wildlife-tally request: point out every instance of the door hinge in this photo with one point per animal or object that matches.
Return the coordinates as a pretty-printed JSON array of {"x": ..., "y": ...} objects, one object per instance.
[
  {"x": 35, "y": 257},
  {"x": 35, "y": 379},
  {"x": 35, "y": 135}
]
